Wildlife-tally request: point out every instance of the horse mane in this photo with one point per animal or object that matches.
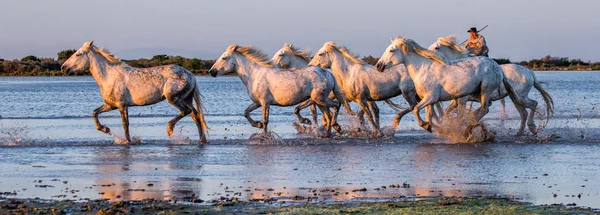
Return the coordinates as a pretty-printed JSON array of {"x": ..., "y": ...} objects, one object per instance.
[
  {"x": 450, "y": 42},
  {"x": 253, "y": 55},
  {"x": 409, "y": 45},
  {"x": 305, "y": 55},
  {"x": 329, "y": 46},
  {"x": 106, "y": 54}
]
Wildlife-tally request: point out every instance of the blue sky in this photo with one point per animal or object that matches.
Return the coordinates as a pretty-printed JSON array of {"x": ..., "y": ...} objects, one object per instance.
[{"x": 518, "y": 29}]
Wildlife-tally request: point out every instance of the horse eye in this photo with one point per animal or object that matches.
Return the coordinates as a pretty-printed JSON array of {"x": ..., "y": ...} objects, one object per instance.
[
  {"x": 391, "y": 50},
  {"x": 436, "y": 48},
  {"x": 320, "y": 54},
  {"x": 225, "y": 58},
  {"x": 78, "y": 54}
]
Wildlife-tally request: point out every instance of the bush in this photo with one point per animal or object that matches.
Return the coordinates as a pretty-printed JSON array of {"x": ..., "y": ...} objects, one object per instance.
[{"x": 30, "y": 58}]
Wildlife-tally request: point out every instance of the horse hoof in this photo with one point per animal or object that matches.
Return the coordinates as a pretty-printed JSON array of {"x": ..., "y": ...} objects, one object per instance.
[
  {"x": 105, "y": 129},
  {"x": 338, "y": 129},
  {"x": 305, "y": 121},
  {"x": 533, "y": 129},
  {"x": 427, "y": 127},
  {"x": 203, "y": 140},
  {"x": 259, "y": 125},
  {"x": 376, "y": 134}
]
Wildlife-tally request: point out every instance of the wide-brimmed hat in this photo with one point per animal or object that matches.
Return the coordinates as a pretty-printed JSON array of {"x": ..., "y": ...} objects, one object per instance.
[{"x": 473, "y": 29}]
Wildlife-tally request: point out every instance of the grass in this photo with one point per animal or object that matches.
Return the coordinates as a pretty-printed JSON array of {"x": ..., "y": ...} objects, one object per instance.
[{"x": 434, "y": 206}]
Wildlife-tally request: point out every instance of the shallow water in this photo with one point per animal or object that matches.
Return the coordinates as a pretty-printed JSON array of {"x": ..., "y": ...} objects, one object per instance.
[{"x": 47, "y": 133}]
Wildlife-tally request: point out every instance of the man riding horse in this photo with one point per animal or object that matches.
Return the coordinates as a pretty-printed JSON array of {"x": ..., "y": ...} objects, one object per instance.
[{"x": 476, "y": 45}]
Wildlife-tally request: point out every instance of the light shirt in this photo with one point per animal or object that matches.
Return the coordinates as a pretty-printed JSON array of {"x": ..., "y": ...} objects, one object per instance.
[{"x": 480, "y": 49}]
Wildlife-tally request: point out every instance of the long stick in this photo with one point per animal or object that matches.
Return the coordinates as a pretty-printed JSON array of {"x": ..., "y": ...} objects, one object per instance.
[{"x": 480, "y": 30}]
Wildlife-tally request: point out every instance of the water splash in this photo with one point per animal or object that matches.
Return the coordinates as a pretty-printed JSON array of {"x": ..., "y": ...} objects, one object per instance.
[
  {"x": 356, "y": 128},
  {"x": 457, "y": 127},
  {"x": 271, "y": 138},
  {"x": 15, "y": 135},
  {"x": 122, "y": 141}
]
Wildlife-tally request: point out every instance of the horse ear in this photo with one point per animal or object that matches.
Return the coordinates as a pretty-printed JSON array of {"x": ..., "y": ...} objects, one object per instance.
[
  {"x": 91, "y": 43},
  {"x": 391, "y": 40}
]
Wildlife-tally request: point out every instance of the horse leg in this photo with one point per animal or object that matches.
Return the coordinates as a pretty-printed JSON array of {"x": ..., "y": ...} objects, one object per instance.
[
  {"x": 425, "y": 101},
  {"x": 411, "y": 98},
  {"x": 375, "y": 109},
  {"x": 451, "y": 107},
  {"x": 523, "y": 113},
  {"x": 502, "y": 103},
  {"x": 364, "y": 106},
  {"x": 184, "y": 111},
  {"x": 324, "y": 103},
  {"x": 98, "y": 111},
  {"x": 302, "y": 106},
  {"x": 327, "y": 119},
  {"x": 313, "y": 111},
  {"x": 532, "y": 105},
  {"x": 265, "y": 121},
  {"x": 336, "y": 112},
  {"x": 249, "y": 109},
  {"x": 125, "y": 120}
]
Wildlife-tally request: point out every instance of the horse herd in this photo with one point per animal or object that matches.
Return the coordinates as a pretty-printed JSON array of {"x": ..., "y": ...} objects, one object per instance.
[{"x": 329, "y": 80}]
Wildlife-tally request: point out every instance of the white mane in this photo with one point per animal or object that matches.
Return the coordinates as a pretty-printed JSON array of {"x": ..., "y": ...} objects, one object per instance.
[
  {"x": 408, "y": 45},
  {"x": 252, "y": 54},
  {"x": 305, "y": 55},
  {"x": 331, "y": 46}
]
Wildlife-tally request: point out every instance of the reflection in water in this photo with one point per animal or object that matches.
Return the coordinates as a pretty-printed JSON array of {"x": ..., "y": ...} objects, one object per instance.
[{"x": 354, "y": 171}]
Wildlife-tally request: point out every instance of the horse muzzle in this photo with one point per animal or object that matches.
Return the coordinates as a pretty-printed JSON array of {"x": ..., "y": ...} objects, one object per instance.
[
  {"x": 380, "y": 66},
  {"x": 66, "y": 70},
  {"x": 213, "y": 72}
]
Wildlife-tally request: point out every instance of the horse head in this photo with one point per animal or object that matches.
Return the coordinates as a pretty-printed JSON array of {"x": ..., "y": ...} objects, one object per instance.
[
  {"x": 80, "y": 60},
  {"x": 289, "y": 56},
  {"x": 225, "y": 64},
  {"x": 393, "y": 55}
]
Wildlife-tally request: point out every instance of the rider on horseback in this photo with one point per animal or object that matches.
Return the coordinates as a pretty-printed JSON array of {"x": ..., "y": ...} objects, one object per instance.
[{"x": 476, "y": 45}]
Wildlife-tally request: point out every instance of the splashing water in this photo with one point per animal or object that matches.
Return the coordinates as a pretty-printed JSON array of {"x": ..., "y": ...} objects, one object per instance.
[
  {"x": 271, "y": 138},
  {"x": 122, "y": 141},
  {"x": 355, "y": 128},
  {"x": 15, "y": 135},
  {"x": 455, "y": 128}
]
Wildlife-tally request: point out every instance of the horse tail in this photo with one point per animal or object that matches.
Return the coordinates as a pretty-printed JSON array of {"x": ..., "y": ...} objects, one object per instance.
[
  {"x": 393, "y": 105},
  {"x": 339, "y": 95},
  {"x": 547, "y": 98},
  {"x": 199, "y": 106}
]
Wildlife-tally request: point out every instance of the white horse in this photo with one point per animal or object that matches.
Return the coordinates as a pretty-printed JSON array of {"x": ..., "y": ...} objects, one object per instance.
[
  {"x": 289, "y": 57},
  {"x": 436, "y": 81},
  {"x": 519, "y": 77},
  {"x": 361, "y": 82},
  {"x": 122, "y": 86},
  {"x": 268, "y": 85}
]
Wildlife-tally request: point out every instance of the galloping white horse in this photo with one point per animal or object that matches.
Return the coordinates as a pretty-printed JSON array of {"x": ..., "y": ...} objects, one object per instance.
[
  {"x": 361, "y": 82},
  {"x": 520, "y": 78},
  {"x": 290, "y": 57},
  {"x": 122, "y": 86},
  {"x": 436, "y": 81},
  {"x": 268, "y": 85}
]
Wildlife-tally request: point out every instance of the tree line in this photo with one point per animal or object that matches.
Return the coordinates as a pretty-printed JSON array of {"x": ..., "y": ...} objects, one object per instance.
[{"x": 39, "y": 66}]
